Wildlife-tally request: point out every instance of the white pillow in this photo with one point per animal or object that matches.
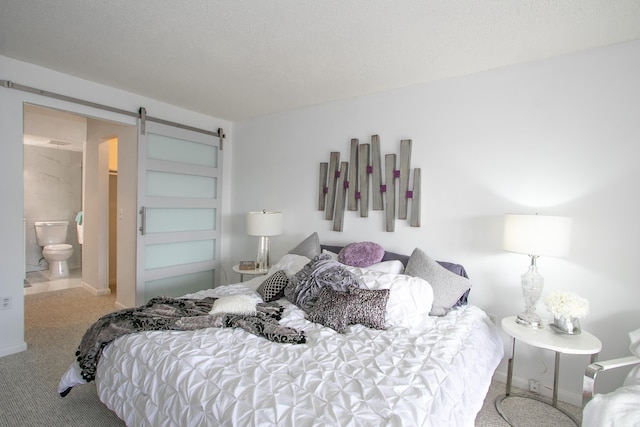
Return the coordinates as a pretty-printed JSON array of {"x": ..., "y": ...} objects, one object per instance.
[
  {"x": 333, "y": 255},
  {"x": 410, "y": 298},
  {"x": 394, "y": 266},
  {"x": 290, "y": 264},
  {"x": 235, "y": 304}
]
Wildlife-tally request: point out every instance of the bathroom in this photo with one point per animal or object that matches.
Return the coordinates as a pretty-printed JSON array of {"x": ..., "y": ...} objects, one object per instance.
[{"x": 53, "y": 191}]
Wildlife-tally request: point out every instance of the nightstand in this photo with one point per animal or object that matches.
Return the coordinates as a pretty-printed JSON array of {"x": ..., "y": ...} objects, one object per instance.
[
  {"x": 545, "y": 338},
  {"x": 256, "y": 272}
]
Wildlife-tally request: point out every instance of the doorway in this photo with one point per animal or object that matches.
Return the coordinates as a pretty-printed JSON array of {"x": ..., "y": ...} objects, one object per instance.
[{"x": 71, "y": 173}]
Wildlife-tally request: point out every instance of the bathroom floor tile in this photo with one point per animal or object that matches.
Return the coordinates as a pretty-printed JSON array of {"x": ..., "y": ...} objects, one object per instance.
[{"x": 39, "y": 281}]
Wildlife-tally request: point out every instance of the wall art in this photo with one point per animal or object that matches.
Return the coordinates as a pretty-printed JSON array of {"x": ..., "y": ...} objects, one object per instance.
[{"x": 362, "y": 183}]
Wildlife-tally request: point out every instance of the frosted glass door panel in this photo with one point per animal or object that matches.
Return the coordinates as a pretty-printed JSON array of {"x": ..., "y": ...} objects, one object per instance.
[
  {"x": 169, "y": 220},
  {"x": 177, "y": 286},
  {"x": 161, "y": 147},
  {"x": 178, "y": 253},
  {"x": 166, "y": 184},
  {"x": 180, "y": 184}
]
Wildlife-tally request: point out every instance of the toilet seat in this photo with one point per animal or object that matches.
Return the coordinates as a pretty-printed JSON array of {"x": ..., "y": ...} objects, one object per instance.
[{"x": 59, "y": 247}]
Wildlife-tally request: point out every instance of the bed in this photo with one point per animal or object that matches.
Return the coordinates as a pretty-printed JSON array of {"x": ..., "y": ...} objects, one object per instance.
[{"x": 426, "y": 364}]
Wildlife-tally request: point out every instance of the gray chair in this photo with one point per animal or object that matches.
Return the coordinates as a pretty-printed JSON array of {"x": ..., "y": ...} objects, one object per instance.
[{"x": 599, "y": 410}]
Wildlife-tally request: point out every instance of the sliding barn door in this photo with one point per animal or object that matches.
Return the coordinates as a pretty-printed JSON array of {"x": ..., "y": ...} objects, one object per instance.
[{"x": 179, "y": 194}]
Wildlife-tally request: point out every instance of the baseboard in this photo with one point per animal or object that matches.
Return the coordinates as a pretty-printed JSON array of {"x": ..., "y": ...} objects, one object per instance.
[
  {"x": 94, "y": 291},
  {"x": 13, "y": 349},
  {"x": 522, "y": 383}
]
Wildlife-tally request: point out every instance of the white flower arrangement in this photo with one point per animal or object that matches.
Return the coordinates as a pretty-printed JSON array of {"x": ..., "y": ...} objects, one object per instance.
[{"x": 566, "y": 305}]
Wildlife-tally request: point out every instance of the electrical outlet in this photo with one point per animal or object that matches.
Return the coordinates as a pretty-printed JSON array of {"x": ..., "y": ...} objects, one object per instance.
[
  {"x": 5, "y": 303},
  {"x": 534, "y": 386}
]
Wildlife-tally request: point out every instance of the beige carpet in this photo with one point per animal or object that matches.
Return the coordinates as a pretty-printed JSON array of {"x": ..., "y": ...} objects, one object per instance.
[{"x": 54, "y": 324}]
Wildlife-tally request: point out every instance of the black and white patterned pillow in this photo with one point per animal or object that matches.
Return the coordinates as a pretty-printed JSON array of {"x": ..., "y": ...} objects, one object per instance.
[
  {"x": 337, "y": 310},
  {"x": 273, "y": 288}
]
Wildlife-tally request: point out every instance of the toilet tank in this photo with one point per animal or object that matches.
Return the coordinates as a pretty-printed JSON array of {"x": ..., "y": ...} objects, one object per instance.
[{"x": 51, "y": 232}]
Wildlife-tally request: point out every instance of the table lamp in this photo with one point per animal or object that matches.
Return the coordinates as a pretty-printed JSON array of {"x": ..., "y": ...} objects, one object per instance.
[
  {"x": 264, "y": 224},
  {"x": 535, "y": 235}
]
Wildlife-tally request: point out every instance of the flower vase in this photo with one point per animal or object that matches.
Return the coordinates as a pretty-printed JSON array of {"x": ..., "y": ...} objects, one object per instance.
[{"x": 566, "y": 325}]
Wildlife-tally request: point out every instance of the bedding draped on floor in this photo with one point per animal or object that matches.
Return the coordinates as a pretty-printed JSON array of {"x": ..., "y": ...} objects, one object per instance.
[{"x": 182, "y": 314}]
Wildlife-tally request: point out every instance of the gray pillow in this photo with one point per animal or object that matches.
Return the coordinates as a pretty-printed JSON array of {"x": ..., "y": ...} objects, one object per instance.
[
  {"x": 447, "y": 287},
  {"x": 309, "y": 247},
  {"x": 273, "y": 288},
  {"x": 322, "y": 271},
  {"x": 337, "y": 310}
]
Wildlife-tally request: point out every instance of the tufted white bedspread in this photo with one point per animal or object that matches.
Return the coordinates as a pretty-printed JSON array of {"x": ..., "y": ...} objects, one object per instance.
[{"x": 437, "y": 376}]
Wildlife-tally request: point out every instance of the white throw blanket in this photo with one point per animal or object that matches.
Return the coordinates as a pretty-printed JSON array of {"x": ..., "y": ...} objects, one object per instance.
[{"x": 622, "y": 406}]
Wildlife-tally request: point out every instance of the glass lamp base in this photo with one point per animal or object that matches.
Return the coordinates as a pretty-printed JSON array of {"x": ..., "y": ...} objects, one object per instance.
[
  {"x": 532, "y": 285},
  {"x": 530, "y": 321}
]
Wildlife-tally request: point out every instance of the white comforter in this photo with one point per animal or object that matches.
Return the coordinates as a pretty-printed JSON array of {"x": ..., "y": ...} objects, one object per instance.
[{"x": 435, "y": 377}]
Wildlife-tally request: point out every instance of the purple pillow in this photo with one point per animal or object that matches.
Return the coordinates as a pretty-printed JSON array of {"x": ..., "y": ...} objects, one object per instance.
[{"x": 362, "y": 254}]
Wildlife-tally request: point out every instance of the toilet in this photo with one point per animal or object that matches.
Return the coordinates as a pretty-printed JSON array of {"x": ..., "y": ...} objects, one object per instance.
[{"x": 52, "y": 235}]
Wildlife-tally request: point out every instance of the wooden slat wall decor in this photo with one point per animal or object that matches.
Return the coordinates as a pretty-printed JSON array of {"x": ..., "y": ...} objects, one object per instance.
[
  {"x": 322, "y": 186},
  {"x": 353, "y": 177},
  {"x": 344, "y": 186},
  {"x": 415, "y": 200},
  {"x": 405, "y": 166},
  {"x": 363, "y": 175},
  {"x": 343, "y": 181},
  {"x": 376, "y": 174},
  {"x": 390, "y": 191},
  {"x": 334, "y": 163}
]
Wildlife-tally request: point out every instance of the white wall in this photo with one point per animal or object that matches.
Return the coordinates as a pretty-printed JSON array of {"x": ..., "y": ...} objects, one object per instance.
[
  {"x": 11, "y": 186},
  {"x": 558, "y": 137}
]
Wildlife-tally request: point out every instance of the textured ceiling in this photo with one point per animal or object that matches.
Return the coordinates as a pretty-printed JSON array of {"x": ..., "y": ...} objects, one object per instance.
[{"x": 237, "y": 59}]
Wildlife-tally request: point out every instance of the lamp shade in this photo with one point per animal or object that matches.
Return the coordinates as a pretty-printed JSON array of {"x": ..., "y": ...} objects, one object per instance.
[
  {"x": 264, "y": 223},
  {"x": 537, "y": 234}
]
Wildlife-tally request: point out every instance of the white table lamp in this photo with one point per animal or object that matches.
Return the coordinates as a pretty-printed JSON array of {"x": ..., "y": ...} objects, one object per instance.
[
  {"x": 535, "y": 235},
  {"x": 264, "y": 224}
]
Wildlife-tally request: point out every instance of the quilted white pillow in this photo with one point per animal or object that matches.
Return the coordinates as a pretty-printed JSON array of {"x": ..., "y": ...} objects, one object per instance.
[
  {"x": 290, "y": 264},
  {"x": 410, "y": 298}
]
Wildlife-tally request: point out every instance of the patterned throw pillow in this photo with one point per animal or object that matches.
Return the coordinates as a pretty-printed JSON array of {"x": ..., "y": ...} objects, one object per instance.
[
  {"x": 337, "y": 310},
  {"x": 273, "y": 288}
]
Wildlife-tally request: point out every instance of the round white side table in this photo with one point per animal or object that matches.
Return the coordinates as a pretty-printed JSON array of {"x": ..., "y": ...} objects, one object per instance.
[
  {"x": 545, "y": 338},
  {"x": 256, "y": 272}
]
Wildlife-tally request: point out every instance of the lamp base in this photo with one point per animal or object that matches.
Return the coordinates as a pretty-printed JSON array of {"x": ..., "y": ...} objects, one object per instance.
[
  {"x": 262, "y": 259},
  {"x": 530, "y": 321},
  {"x": 532, "y": 285}
]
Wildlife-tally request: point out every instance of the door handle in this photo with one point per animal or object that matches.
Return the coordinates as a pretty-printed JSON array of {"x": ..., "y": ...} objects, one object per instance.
[{"x": 143, "y": 221}]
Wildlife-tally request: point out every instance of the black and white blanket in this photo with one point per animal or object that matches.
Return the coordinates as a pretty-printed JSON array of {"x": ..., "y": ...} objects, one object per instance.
[{"x": 165, "y": 313}]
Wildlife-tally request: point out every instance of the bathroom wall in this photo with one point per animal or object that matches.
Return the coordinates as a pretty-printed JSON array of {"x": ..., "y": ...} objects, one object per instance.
[{"x": 52, "y": 191}]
